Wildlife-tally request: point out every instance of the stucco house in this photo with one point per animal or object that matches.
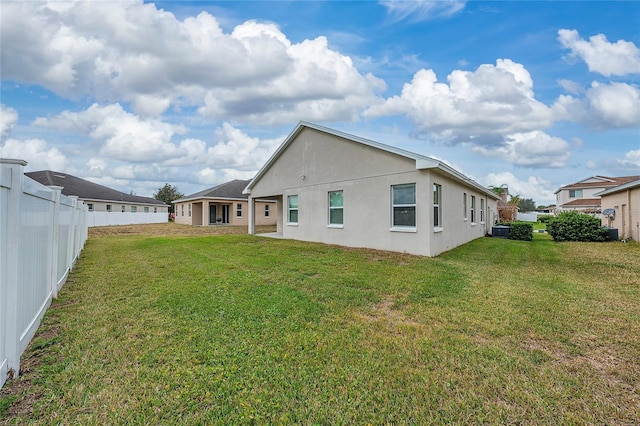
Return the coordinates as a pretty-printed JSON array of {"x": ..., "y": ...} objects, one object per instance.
[
  {"x": 106, "y": 206},
  {"x": 583, "y": 196},
  {"x": 621, "y": 209},
  {"x": 336, "y": 188},
  {"x": 224, "y": 204}
]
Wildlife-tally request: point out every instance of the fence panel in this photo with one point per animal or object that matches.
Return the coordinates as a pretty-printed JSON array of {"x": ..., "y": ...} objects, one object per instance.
[
  {"x": 126, "y": 218},
  {"x": 41, "y": 235}
]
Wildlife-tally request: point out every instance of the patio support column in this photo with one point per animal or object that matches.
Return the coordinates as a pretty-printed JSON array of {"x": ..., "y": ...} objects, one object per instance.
[{"x": 252, "y": 215}]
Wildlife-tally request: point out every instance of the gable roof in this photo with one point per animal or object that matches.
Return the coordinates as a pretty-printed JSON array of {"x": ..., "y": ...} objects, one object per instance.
[
  {"x": 229, "y": 191},
  {"x": 86, "y": 190},
  {"x": 619, "y": 188},
  {"x": 602, "y": 182},
  {"x": 583, "y": 202},
  {"x": 422, "y": 162}
]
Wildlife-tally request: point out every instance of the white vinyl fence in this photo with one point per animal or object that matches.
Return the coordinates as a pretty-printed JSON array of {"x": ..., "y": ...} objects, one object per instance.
[
  {"x": 125, "y": 218},
  {"x": 42, "y": 233}
]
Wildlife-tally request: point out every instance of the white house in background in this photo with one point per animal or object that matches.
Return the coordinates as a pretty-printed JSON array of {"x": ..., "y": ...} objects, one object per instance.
[
  {"x": 621, "y": 209},
  {"x": 583, "y": 196},
  {"x": 106, "y": 206},
  {"x": 336, "y": 188}
]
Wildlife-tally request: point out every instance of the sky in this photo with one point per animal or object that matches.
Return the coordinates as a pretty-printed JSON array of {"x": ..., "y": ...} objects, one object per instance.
[{"x": 132, "y": 95}]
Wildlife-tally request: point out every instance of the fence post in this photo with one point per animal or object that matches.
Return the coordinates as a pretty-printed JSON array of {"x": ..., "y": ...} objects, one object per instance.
[
  {"x": 57, "y": 191},
  {"x": 10, "y": 267}
]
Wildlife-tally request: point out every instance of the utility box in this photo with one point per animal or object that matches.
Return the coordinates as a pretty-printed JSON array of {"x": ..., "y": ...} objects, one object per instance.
[
  {"x": 500, "y": 231},
  {"x": 613, "y": 234}
]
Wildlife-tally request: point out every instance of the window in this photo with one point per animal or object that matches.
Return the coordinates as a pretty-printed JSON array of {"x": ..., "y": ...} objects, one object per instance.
[
  {"x": 238, "y": 210},
  {"x": 473, "y": 209},
  {"x": 266, "y": 210},
  {"x": 481, "y": 210},
  {"x": 90, "y": 207},
  {"x": 189, "y": 209},
  {"x": 109, "y": 207},
  {"x": 123, "y": 209},
  {"x": 437, "y": 213},
  {"x": 134, "y": 209},
  {"x": 464, "y": 205},
  {"x": 336, "y": 201},
  {"x": 146, "y": 209},
  {"x": 575, "y": 193},
  {"x": 293, "y": 208},
  {"x": 155, "y": 210},
  {"x": 182, "y": 210},
  {"x": 403, "y": 205}
]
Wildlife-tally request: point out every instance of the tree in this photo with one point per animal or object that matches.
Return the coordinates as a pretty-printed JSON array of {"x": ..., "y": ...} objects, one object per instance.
[
  {"x": 168, "y": 194},
  {"x": 526, "y": 205}
]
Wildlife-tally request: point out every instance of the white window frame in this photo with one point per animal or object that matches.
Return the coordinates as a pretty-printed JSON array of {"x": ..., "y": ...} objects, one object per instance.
[
  {"x": 123, "y": 209},
  {"x": 181, "y": 209},
  {"x": 481, "y": 210},
  {"x": 189, "y": 209},
  {"x": 473, "y": 209},
  {"x": 437, "y": 204},
  {"x": 335, "y": 208},
  {"x": 109, "y": 208},
  {"x": 464, "y": 206},
  {"x": 399, "y": 227},
  {"x": 134, "y": 209},
  {"x": 266, "y": 210},
  {"x": 575, "y": 193},
  {"x": 238, "y": 209},
  {"x": 90, "y": 207},
  {"x": 292, "y": 209}
]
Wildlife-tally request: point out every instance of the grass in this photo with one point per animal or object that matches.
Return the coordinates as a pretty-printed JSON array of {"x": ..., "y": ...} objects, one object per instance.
[{"x": 235, "y": 329}]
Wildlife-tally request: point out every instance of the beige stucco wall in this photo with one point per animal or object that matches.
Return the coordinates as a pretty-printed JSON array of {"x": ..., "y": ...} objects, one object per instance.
[
  {"x": 627, "y": 216},
  {"x": 200, "y": 212},
  {"x": 316, "y": 163}
]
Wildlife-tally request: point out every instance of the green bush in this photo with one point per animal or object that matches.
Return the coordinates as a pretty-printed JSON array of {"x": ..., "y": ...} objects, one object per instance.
[
  {"x": 522, "y": 231},
  {"x": 545, "y": 218},
  {"x": 574, "y": 226}
]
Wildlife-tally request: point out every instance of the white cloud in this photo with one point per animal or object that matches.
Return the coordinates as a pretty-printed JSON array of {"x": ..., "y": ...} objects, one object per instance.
[
  {"x": 604, "y": 106},
  {"x": 531, "y": 149},
  {"x": 619, "y": 58},
  {"x": 236, "y": 150},
  {"x": 36, "y": 153},
  {"x": 8, "y": 120},
  {"x": 136, "y": 53},
  {"x": 534, "y": 187},
  {"x": 123, "y": 136},
  {"x": 421, "y": 10},
  {"x": 485, "y": 104},
  {"x": 631, "y": 160}
]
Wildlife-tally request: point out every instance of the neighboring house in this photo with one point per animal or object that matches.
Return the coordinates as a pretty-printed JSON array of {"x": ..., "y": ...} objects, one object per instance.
[
  {"x": 224, "y": 204},
  {"x": 106, "y": 206},
  {"x": 621, "y": 209},
  {"x": 582, "y": 196},
  {"x": 335, "y": 188}
]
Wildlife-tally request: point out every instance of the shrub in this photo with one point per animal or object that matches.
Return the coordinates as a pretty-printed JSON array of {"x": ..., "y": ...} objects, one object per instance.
[
  {"x": 574, "y": 226},
  {"x": 522, "y": 231},
  {"x": 545, "y": 218}
]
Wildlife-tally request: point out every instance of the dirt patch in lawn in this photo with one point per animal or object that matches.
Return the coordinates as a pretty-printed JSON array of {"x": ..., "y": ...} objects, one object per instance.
[{"x": 170, "y": 228}]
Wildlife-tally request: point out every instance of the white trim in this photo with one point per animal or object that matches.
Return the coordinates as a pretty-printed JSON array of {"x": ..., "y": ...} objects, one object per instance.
[{"x": 403, "y": 229}]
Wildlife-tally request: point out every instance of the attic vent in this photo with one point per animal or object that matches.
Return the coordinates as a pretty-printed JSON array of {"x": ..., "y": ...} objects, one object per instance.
[{"x": 59, "y": 176}]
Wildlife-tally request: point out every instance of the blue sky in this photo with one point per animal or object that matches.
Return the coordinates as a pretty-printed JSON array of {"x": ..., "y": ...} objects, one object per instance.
[{"x": 131, "y": 95}]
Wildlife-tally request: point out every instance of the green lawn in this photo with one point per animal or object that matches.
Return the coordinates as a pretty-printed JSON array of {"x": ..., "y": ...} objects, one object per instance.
[{"x": 236, "y": 329}]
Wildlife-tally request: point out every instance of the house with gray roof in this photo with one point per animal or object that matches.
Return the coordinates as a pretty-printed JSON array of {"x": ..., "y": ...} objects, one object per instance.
[
  {"x": 336, "y": 188},
  {"x": 106, "y": 206},
  {"x": 583, "y": 196},
  {"x": 224, "y": 204}
]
